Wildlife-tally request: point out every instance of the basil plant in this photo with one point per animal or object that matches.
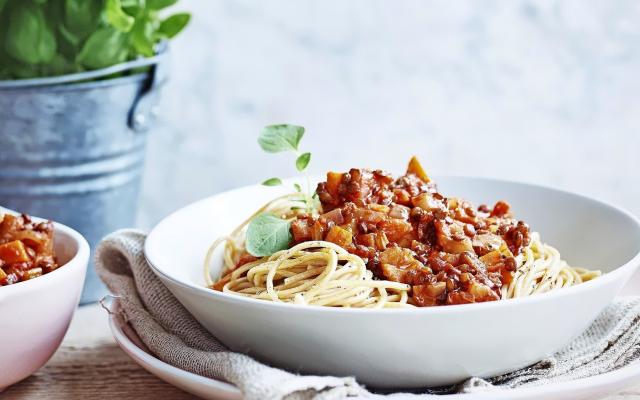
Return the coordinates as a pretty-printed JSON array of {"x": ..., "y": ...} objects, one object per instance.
[{"x": 42, "y": 38}]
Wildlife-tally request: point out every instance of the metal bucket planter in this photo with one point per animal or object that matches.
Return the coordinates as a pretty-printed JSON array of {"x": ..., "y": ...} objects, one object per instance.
[{"x": 72, "y": 148}]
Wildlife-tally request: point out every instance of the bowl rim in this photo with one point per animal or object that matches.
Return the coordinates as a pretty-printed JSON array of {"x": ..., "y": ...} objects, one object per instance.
[
  {"x": 79, "y": 260},
  {"x": 615, "y": 274}
]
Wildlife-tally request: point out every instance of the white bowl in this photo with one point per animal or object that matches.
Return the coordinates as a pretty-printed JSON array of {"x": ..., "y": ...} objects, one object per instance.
[
  {"x": 408, "y": 347},
  {"x": 36, "y": 313}
]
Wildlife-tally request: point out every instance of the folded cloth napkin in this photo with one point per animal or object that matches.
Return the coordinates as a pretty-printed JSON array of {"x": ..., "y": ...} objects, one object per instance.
[{"x": 175, "y": 337}]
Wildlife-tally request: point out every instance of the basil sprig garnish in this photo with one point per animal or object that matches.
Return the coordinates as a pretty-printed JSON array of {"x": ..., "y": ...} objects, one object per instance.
[{"x": 268, "y": 233}]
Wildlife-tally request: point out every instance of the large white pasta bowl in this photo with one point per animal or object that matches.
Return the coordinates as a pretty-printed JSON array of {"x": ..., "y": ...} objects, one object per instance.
[{"x": 405, "y": 348}]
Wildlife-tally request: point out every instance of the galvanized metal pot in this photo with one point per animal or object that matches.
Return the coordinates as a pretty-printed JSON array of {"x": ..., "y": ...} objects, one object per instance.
[{"x": 72, "y": 148}]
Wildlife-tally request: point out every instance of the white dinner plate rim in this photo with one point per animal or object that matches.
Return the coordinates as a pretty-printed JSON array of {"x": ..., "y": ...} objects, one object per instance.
[
  {"x": 623, "y": 374},
  {"x": 141, "y": 357},
  {"x": 623, "y": 269}
]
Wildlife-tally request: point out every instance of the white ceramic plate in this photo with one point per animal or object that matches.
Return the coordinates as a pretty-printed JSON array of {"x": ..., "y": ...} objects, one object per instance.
[
  {"x": 406, "y": 348},
  {"x": 203, "y": 387},
  {"x": 581, "y": 389}
]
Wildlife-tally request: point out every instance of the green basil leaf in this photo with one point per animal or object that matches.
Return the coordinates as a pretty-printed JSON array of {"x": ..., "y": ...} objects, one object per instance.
[
  {"x": 81, "y": 17},
  {"x": 142, "y": 37},
  {"x": 174, "y": 24},
  {"x": 160, "y": 4},
  {"x": 5, "y": 59},
  {"x": 297, "y": 187},
  {"x": 103, "y": 48},
  {"x": 133, "y": 3},
  {"x": 59, "y": 66},
  {"x": 303, "y": 161},
  {"x": 267, "y": 234},
  {"x": 20, "y": 70},
  {"x": 135, "y": 8},
  {"x": 272, "y": 182},
  {"x": 29, "y": 37},
  {"x": 277, "y": 138},
  {"x": 69, "y": 36},
  {"x": 117, "y": 17}
]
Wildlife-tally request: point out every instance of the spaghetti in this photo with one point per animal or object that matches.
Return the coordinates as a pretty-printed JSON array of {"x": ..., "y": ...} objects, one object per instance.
[
  {"x": 314, "y": 273},
  {"x": 540, "y": 270}
]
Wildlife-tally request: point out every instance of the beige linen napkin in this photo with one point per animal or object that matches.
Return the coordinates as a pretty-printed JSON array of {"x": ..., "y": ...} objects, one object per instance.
[{"x": 176, "y": 338}]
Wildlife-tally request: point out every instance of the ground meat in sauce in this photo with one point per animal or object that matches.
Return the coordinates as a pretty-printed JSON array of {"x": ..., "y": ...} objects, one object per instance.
[
  {"x": 26, "y": 249},
  {"x": 447, "y": 250}
]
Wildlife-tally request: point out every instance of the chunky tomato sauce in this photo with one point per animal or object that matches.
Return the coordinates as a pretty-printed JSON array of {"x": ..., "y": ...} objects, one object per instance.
[
  {"x": 26, "y": 249},
  {"x": 447, "y": 250}
]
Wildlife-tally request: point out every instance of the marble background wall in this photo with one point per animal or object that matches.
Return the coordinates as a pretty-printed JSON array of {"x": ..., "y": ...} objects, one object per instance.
[{"x": 540, "y": 91}]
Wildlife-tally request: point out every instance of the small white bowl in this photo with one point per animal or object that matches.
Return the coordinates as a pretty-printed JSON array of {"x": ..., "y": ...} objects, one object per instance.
[
  {"x": 408, "y": 347},
  {"x": 36, "y": 313}
]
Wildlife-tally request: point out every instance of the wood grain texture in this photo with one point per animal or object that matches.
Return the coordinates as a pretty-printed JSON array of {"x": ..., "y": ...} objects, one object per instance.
[
  {"x": 101, "y": 371},
  {"x": 90, "y": 365}
]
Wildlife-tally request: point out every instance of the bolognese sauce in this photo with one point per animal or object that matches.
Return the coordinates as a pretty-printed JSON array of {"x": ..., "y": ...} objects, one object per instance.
[
  {"x": 407, "y": 232},
  {"x": 26, "y": 249}
]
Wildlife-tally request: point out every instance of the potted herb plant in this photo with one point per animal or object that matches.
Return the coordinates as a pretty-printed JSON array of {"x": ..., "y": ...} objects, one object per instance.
[{"x": 79, "y": 82}]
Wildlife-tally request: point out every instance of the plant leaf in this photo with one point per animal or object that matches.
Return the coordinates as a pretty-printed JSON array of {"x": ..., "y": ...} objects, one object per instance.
[
  {"x": 272, "y": 182},
  {"x": 302, "y": 161},
  {"x": 267, "y": 234},
  {"x": 117, "y": 17},
  {"x": 142, "y": 37},
  {"x": 135, "y": 8},
  {"x": 297, "y": 187},
  {"x": 81, "y": 17},
  {"x": 160, "y": 4},
  {"x": 132, "y": 3},
  {"x": 29, "y": 37},
  {"x": 59, "y": 66},
  {"x": 277, "y": 138},
  {"x": 19, "y": 70},
  {"x": 70, "y": 37},
  {"x": 103, "y": 48},
  {"x": 174, "y": 24}
]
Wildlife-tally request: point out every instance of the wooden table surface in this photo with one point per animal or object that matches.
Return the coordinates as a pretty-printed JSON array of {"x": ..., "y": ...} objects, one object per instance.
[{"x": 90, "y": 365}]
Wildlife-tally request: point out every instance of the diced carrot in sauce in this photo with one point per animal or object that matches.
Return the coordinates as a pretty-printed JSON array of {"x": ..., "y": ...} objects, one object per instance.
[
  {"x": 339, "y": 236},
  {"x": 381, "y": 241},
  {"x": 333, "y": 181},
  {"x": 416, "y": 168},
  {"x": 370, "y": 216},
  {"x": 317, "y": 230},
  {"x": 13, "y": 252},
  {"x": 395, "y": 228},
  {"x": 366, "y": 239}
]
